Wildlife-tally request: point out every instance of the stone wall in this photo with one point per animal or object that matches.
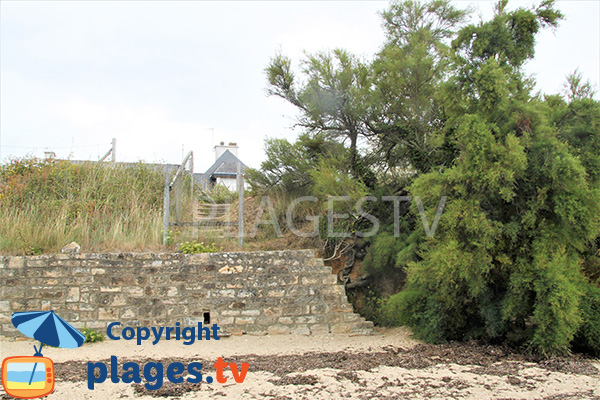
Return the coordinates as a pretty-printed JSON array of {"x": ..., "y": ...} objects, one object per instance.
[{"x": 253, "y": 292}]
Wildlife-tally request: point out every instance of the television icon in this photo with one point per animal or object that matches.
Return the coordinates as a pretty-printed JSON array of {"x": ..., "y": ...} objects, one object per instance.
[{"x": 28, "y": 377}]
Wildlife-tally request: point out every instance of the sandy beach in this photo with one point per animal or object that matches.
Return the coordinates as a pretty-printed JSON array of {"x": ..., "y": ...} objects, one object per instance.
[{"x": 387, "y": 365}]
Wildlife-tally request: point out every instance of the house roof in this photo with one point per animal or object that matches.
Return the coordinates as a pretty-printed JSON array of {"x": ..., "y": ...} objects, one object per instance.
[{"x": 226, "y": 165}]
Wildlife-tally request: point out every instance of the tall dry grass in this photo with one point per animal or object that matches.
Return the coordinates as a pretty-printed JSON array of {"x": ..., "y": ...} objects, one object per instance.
[{"x": 45, "y": 205}]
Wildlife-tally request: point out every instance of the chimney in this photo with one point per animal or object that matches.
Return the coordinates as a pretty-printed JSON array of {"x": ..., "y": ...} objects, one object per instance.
[{"x": 222, "y": 148}]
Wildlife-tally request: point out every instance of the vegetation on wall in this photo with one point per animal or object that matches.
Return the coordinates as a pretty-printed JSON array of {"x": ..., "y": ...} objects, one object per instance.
[{"x": 45, "y": 205}]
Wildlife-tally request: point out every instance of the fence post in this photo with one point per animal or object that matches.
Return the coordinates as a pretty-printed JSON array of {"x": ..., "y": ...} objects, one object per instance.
[
  {"x": 192, "y": 197},
  {"x": 192, "y": 174},
  {"x": 166, "y": 207},
  {"x": 178, "y": 190},
  {"x": 240, "y": 187},
  {"x": 114, "y": 150}
]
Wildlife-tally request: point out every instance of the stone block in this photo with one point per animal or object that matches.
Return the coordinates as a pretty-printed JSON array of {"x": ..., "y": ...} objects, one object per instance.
[
  {"x": 341, "y": 328},
  {"x": 46, "y": 305},
  {"x": 272, "y": 311},
  {"x": 278, "y": 330},
  {"x": 72, "y": 295},
  {"x": 108, "y": 314},
  {"x": 230, "y": 313},
  {"x": 110, "y": 289},
  {"x": 246, "y": 293},
  {"x": 96, "y": 324},
  {"x": 300, "y": 330},
  {"x": 16, "y": 262},
  {"x": 133, "y": 291},
  {"x": 319, "y": 309},
  {"x": 226, "y": 321},
  {"x": 276, "y": 293},
  {"x": 351, "y": 317},
  {"x": 311, "y": 280},
  {"x": 308, "y": 319},
  {"x": 244, "y": 320},
  {"x": 297, "y": 291},
  {"x": 37, "y": 263},
  {"x": 266, "y": 320},
  {"x": 128, "y": 313},
  {"x": 319, "y": 329}
]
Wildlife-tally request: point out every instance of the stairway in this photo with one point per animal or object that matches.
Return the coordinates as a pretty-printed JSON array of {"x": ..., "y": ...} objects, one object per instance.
[
  {"x": 279, "y": 292},
  {"x": 211, "y": 220}
]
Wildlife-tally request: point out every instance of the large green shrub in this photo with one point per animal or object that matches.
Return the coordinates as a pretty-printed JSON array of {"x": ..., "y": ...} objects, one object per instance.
[{"x": 506, "y": 260}]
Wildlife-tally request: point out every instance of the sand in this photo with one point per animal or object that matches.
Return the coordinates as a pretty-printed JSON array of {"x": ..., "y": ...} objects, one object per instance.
[{"x": 387, "y": 365}]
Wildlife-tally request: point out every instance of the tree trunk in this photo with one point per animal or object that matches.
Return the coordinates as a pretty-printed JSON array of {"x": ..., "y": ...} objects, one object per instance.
[{"x": 353, "y": 139}]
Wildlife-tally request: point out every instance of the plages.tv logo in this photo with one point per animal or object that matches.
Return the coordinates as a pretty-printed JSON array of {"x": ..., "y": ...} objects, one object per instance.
[
  {"x": 26, "y": 377},
  {"x": 132, "y": 372}
]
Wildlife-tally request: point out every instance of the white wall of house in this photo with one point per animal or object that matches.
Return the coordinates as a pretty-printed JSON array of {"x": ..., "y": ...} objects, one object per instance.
[{"x": 230, "y": 183}]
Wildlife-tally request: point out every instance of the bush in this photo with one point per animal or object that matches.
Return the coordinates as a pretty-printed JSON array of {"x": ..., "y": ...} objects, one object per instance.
[
  {"x": 195, "y": 247},
  {"x": 588, "y": 335},
  {"x": 92, "y": 336},
  {"x": 419, "y": 310}
]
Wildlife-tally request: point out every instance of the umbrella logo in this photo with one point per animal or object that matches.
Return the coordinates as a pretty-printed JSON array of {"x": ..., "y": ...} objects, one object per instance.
[{"x": 33, "y": 377}]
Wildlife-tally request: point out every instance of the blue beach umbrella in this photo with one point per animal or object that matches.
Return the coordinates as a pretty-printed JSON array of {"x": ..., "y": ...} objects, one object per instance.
[{"x": 48, "y": 328}]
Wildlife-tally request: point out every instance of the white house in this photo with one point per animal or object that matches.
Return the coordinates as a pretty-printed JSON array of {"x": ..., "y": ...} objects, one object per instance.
[{"x": 224, "y": 170}]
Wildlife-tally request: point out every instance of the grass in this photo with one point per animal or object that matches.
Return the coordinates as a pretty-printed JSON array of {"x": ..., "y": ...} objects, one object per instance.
[{"x": 45, "y": 205}]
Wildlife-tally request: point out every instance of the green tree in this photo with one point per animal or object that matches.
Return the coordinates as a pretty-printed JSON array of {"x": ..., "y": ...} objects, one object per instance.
[
  {"x": 406, "y": 112},
  {"x": 505, "y": 263},
  {"x": 334, "y": 98},
  {"x": 290, "y": 166}
]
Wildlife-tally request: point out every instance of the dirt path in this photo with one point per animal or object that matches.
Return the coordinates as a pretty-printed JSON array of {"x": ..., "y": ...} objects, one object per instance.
[{"x": 389, "y": 365}]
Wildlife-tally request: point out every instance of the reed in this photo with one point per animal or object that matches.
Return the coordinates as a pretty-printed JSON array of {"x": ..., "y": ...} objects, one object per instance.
[{"x": 46, "y": 204}]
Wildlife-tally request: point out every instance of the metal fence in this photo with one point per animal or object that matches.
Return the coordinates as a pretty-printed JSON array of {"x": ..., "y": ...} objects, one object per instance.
[{"x": 176, "y": 183}]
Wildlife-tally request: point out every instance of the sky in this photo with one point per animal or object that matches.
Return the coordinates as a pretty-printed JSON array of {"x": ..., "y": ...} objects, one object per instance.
[{"x": 165, "y": 78}]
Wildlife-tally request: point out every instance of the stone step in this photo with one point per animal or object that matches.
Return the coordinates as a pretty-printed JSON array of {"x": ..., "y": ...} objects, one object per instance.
[{"x": 214, "y": 205}]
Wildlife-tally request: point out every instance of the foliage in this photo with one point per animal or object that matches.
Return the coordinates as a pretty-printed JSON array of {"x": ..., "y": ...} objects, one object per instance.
[
  {"x": 92, "y": 336},
  {"x": 446, "y": 110},
  {"x": 509, "y": 37},
  {"x": 407, "y": 116},
  {"x": 288, "y": 166},
  {"x": 170, "y": 237},
  {"x": 588, "y": 337},
  {"x": 316, "y": 166},
  {"x": 505, "y": 262},
  {"x": 221, "y": 194},
  {"x": 333, "y": 98},
  {"x": 369, "y": 304},
  {"x": 382, "y": 254},
  {"x": 419, "y": 310},
  {"x": 198, "y": 247},
  {"x": 47, "y": 204}
]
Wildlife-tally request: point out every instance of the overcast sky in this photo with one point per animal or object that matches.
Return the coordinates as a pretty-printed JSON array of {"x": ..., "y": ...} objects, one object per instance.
[{"x": 162, "y": 77}]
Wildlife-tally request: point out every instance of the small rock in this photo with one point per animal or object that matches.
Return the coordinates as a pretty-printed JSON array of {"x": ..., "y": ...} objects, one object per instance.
[{"x": 71, "y": 248}]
